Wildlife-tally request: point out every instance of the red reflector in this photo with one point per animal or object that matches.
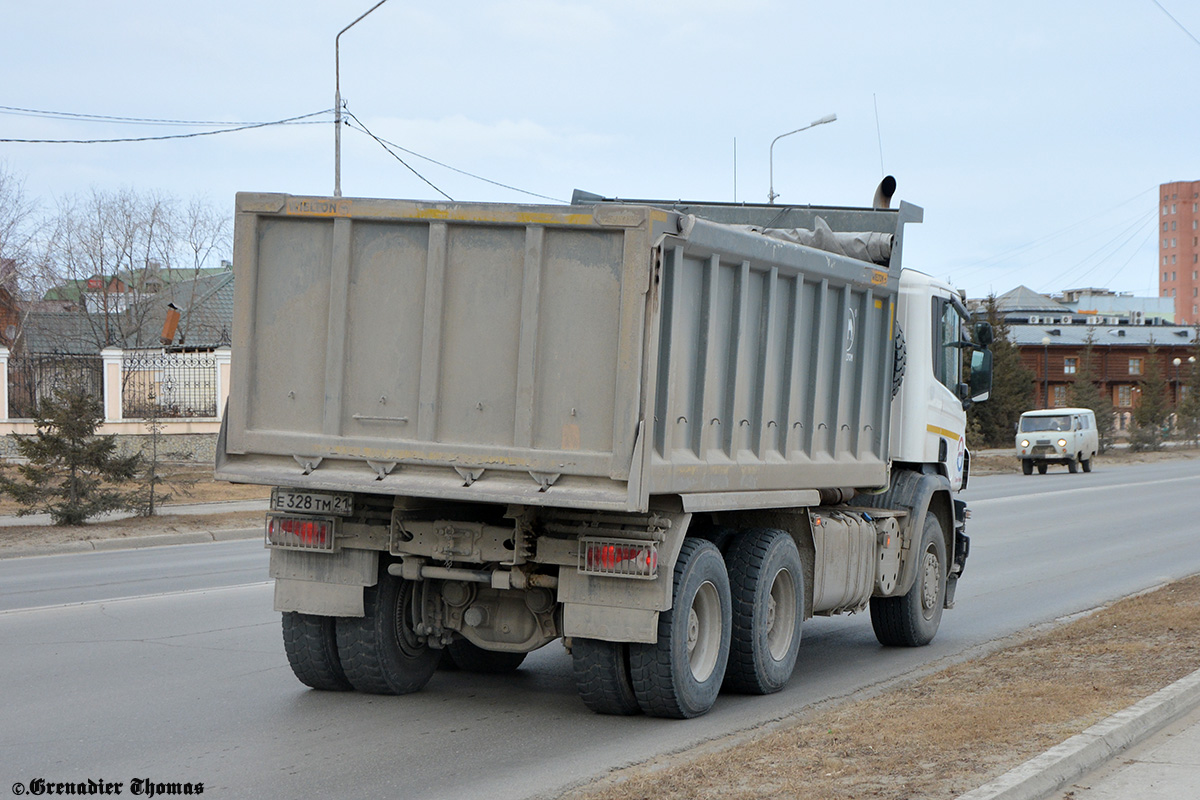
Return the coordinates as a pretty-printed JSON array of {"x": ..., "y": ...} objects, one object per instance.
[{"x": 300, "y": 532}]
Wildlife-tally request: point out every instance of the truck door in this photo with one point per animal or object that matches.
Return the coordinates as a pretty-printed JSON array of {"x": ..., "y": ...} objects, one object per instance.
[{"x": 946, "y": 442}]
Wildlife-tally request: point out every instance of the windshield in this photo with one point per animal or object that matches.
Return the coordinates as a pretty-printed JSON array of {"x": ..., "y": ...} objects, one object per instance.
[{"x": 1030, "y": 424}]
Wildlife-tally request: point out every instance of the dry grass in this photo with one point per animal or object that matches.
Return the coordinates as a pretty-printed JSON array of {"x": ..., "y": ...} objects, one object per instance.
[
  {"x": 988, "y": 464},
  {"x": 946, "y": 733}
]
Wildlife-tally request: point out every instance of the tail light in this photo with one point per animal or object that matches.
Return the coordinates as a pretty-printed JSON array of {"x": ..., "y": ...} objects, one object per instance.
[
  {"x": 624, "y": 558},
  {"x": 301, "y": 533}
]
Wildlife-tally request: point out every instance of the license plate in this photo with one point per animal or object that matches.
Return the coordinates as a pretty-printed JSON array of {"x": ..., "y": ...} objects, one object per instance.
[{"x": 340, "y": 503}]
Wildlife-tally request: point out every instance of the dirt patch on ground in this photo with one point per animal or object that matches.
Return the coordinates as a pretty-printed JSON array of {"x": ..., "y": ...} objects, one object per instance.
[
  {"x": 990, "y": 462},
  {"x": 185, "y": 483},
  {"x": 23, "y": 536},
  {"x": 944, "y": 734}
]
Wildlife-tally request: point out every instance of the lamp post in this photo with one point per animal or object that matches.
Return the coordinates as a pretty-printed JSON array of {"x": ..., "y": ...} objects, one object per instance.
[
  {"x": 1046, "y": 371},
  {"x": 337, "y": 101},
  {"x": 827, "y": 118}
]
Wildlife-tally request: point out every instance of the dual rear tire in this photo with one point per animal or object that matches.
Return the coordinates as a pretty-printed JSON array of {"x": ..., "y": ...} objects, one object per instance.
[{"x": 734, "y": 624}]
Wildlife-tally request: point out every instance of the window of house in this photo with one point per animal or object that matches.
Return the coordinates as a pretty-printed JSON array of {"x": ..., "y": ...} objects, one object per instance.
[
  {"x": 1164, "y": 274},
  {"x": 1164, "y": 227},
  {"x": 1060, "y": 396},
  {"x": 1173, "y": 225},
  {"x": 1172, "y": 261},
  {"x": 1135, "y": 366},
  {"x": 1173, "y": 240},
  {"x": 1124, "y": 396},
  {"x": 1069, "y": 366},
  {"x": 1172, "y": 208}
]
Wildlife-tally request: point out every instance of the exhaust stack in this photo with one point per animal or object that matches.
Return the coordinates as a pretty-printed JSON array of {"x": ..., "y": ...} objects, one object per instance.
[{"x": 883, "y": 195}]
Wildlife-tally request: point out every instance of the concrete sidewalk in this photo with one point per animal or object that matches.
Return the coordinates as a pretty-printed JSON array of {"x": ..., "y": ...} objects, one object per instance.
[
  {"x": 1150, "y": 750},
  {"x": 218, "y": 507}
]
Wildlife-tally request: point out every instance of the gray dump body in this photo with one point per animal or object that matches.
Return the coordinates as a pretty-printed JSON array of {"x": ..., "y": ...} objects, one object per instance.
[{"x": 590, "y": 356}]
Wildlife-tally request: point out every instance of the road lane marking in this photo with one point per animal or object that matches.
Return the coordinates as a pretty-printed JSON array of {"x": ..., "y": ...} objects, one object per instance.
[{"x": 122, "y": 599}]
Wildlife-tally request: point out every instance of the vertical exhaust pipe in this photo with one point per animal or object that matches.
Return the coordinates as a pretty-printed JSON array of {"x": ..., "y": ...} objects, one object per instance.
[{"x": 883, "y": 195}]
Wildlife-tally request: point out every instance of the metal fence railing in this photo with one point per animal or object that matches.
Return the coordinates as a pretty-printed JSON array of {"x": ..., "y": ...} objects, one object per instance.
[
  {"x": 33, "y": 378},
  {"x": 157, "y": 383}
]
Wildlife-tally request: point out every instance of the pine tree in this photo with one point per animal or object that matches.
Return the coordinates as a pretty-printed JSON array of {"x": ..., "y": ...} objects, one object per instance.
[
  {"x": 1012, "y": 387},
  {"x": 1086, "y": 393},
  {"x": 70, "y": 472},
  {"x": 1151, "y": 412}
]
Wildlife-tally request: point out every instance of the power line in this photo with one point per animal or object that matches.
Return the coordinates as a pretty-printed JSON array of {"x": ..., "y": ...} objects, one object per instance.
[
  {"x": 1177, "y": 22},
  {"x": 246, "y": 127},
  {"x": 452, "y": 169},
  {"x": 384, "y": 145},
  {"x": 78, "y": 117}
]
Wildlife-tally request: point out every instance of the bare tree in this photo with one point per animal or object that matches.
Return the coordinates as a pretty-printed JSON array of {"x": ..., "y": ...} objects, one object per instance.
[
  {"x": 17, "y": 231},
  {"x": 107, "y": 254}
]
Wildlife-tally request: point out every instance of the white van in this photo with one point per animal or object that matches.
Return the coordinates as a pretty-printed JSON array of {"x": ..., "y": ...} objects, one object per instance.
[{"x": 1057, "y": 436}]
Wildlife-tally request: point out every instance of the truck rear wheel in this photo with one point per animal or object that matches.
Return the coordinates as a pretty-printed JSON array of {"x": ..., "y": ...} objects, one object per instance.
[
  {"x": 310, "y": 642},
  {"x": 766, "y": 582},
  {"x": 913, "y": 619},
  {"x": 380, "y": 651},
  {"x": 602, "y": 676},
  {"x": 680, "y": 675},
  {"x": 471, "y": 657}
]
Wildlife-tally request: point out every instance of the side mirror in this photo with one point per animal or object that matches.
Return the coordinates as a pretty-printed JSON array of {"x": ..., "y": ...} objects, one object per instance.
[
  {"x": 979, "y": 387},
  {"x": 984, "y": 335}
]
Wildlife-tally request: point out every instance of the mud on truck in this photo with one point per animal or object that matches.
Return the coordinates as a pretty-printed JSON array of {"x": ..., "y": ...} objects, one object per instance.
[{"x": 666, "y": 433}]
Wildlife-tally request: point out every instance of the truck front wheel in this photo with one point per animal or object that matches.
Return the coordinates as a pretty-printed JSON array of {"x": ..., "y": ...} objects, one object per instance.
[
  {"x": 680, "y": 675},
  {"x": 766, "y": 581},
  {"x": 913, "y": 619},
  {"x": 380, "y": 651},
  {"x": 310, "y": 642}
]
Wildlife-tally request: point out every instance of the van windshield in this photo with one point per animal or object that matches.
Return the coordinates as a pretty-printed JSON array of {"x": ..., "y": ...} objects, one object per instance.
[{"x": 1031, "y": 424}]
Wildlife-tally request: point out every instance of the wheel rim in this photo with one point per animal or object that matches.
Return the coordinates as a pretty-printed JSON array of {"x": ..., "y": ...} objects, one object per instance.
[
  {"x": 931, "y": 581},
  {"x": 704, "y": 631},
  {"x": 405, "y": 620},
  {"x": 781, "y": 615}
]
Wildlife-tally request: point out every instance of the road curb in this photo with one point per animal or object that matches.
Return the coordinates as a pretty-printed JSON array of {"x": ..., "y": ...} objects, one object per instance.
[
  {"x": 132, "y": 542},
  {"x": 1045, "y": 774}
]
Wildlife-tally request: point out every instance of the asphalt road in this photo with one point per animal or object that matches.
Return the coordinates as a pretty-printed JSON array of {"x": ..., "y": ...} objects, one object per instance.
[{"x": 166, "y": 664}]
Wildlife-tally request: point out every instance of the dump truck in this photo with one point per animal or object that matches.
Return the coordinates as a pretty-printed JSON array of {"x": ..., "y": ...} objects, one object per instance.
[{"x": 665, "y": 433}]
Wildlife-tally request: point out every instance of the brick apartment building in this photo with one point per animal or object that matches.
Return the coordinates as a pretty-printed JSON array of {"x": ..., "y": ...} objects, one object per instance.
[{"x": 1179, "y": 249}]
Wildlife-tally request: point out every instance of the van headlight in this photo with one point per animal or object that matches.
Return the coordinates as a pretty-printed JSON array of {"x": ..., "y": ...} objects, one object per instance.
[
  {"x": 1024, "y": 443},
  {"x": 1062, "y": 443}
]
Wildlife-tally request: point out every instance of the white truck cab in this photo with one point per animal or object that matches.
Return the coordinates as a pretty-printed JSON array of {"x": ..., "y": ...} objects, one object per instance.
[{"x": 1057, "y": 436}]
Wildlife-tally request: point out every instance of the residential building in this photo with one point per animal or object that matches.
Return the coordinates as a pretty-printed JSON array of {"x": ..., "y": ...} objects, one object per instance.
[{"x": 1179, "y": 249}]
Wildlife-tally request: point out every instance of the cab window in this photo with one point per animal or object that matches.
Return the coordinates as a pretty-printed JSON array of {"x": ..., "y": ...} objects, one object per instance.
[{"x": 948, "y": 332}]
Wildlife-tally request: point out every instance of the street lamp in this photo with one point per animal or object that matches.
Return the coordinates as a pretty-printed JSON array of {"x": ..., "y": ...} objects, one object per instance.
[
  {"x": 827, "y": 118},
  {"x": 337, "y": 101},
  {"x": 1046, "y": 371}
]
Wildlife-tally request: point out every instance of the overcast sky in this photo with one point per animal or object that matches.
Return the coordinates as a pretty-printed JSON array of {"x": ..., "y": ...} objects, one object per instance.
[{"x": 1035, "y": 134}]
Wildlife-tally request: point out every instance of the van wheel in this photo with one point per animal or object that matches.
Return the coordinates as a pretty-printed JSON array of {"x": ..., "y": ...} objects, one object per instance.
[
  {"x": 1042, "y": 468},
  {"x": 1026, "y": 466},
  {"x": 1073, "y": 466},
  {"x": 1086, "y": 463}
]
